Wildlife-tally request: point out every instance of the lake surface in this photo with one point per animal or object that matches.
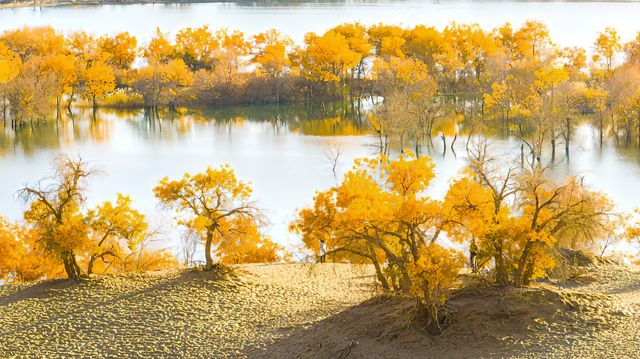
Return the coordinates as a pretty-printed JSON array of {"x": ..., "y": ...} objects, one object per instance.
[
  {"x": 281, "y": 150},
  {"x": 570, "y": 23}
]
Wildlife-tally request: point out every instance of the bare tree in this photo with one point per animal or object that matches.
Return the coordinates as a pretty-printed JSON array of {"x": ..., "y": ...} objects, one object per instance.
[
  {"x": 333, "y": 157},
  {"x": 190, "y": 241}
]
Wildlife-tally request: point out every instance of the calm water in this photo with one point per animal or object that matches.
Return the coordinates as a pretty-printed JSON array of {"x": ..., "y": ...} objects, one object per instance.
[
  {"x": 282, "y": 151},
  {"x": 570, "y": 23}
]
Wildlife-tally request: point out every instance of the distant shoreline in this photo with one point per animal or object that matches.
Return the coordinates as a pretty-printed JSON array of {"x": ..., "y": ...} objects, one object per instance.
[
  {"x": 8, "y": 4},
  {"x": 15, "y": 4}
]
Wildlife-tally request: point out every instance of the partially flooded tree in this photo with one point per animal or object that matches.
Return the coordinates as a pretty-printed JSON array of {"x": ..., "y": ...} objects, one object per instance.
[
  {"x": 65, "y": 74},
  {"x": 163, "y": 83},
  {"x": 326, "y": 63},
  {"x": 410, "y": 106},
  {"x": 30, "y": 92},
  {"x": 99, "y": 81},
  {"x": 10, "y": 64},
  {"x": 271, "y": 55}
]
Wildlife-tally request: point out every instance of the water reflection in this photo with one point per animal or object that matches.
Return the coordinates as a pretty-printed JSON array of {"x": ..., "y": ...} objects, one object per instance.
[{"x": 81, "y": 126}]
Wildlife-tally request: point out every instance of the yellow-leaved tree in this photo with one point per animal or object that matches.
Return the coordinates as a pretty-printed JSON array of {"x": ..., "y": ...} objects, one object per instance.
[
  {"x": 327, "y": 59},
  {"x": 270, "y": 54},
  {"x": 22, "y": 258},
  {"x": 65, "y": 72},
  {"x": 55, "y": 212},
  {"x": 410, "y": 107},
  {"x": 99, "y": 81},
  {"x": 518, "y": 219},
  {"x": 60, "y": 232},
  {"x": 382, "y": 214},
  {"x": 163, "y": 82},
  {"x": 216, "y": 205},
  {"x": 114, "y": 228},
  {"x": 9, "y": 64}
]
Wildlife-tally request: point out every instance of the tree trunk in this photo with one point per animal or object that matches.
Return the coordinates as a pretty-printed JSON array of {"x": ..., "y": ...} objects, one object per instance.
[
  {"x": 522, "y": 274},
  {"x": 58, "y": 115},
  {"x": 90, "y": 266},
  {"x": 380, "y": 275},
  {"x": 601, "y": 128},
  {"x": 614, "y": 128},
  {"x": 207, "y": 250},
  {"x": 568, "y": 138},
  {"x": 502, "y": 276},
  {"x": 405, "y": 281},
  {"x": 69, "y": 103},
  {"x": 70, "y": 265}
]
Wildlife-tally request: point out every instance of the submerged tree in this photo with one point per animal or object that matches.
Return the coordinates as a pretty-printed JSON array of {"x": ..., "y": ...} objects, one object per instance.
[
  {"x": 271, "y": 55},
  {"x": 163, "y": 83},
  {"x": 99, "y": 81}
]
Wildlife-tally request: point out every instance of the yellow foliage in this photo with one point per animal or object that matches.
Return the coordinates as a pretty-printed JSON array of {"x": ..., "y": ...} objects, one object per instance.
[
  {"x": 271, "y": 53},
  {"x": 9, "y": 64},
  {"x": 22, "y": 258},
  {"x": 100, "y": 81},
  {"x": 380, "y": 214},
  {"x": 196, "y": 46},
  {"x": 119, "y": 50},
  {"x": 55, "y": 213},
  {"x": 518, "y": 221},
  {"x": 435, "y": 272},
  {"x": 327, "y": 58},
  {"x": 215, "y": 205},
  {"x": 160, "y": 48},
  {"x": 34, "y": 41}
]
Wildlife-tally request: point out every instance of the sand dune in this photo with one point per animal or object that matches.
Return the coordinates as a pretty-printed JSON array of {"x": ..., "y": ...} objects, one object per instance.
[
  {"x": 315, "y": 311},
  {"x": 181, "y": 314}
]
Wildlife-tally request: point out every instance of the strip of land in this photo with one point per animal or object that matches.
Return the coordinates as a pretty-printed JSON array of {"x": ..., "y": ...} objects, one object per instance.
[{"x": 8, "y": 4}]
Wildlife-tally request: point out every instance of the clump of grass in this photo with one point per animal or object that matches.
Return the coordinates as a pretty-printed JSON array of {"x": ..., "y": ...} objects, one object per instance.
[{"x": 122, "y": 98}]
